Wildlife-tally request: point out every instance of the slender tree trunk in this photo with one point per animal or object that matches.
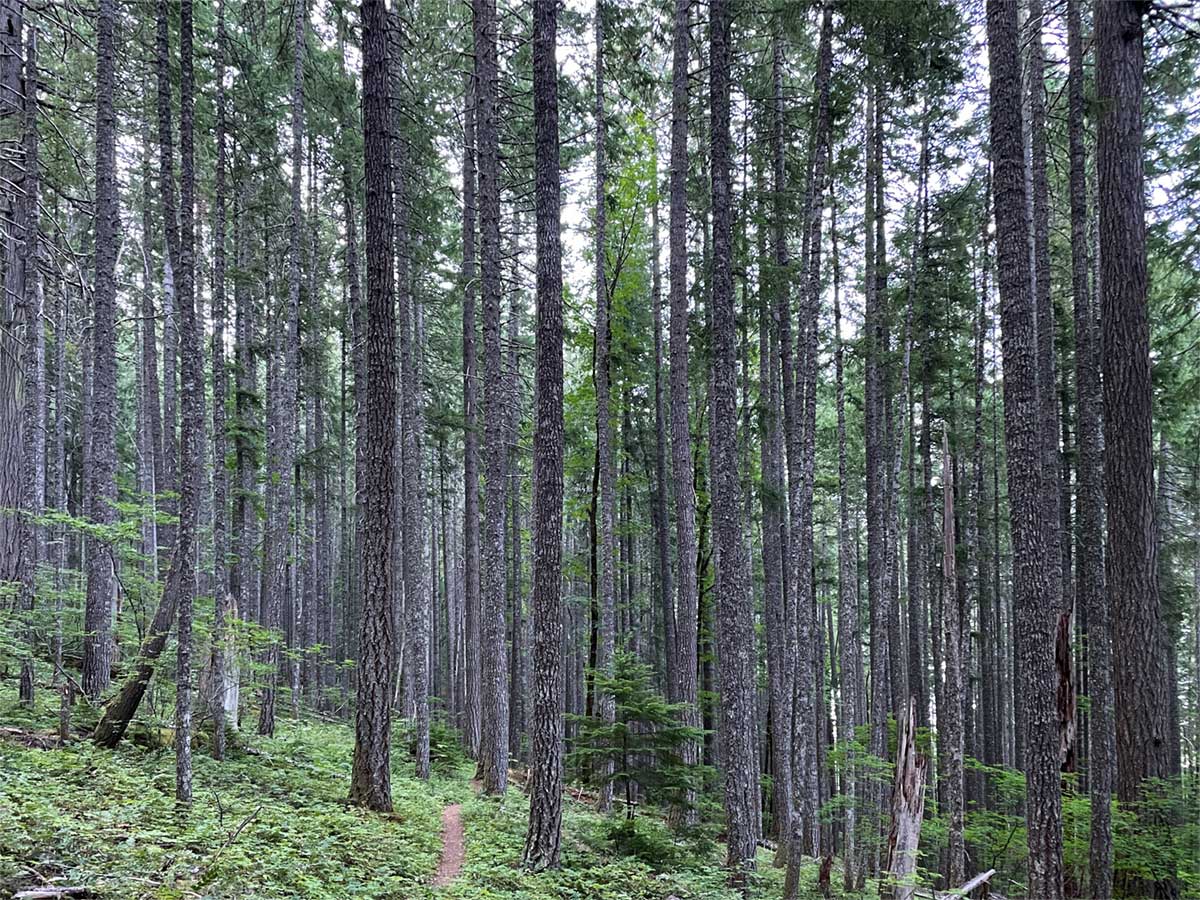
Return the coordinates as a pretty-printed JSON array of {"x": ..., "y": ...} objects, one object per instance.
[
  {"x": 101, "y": 461},
  {"x": 470, "y": 428},
  {"x": 223, "y": 610},
  {"x": 1034, "y": 577},
  {"x": 493, "y": 756},
  {"x": 183, "y": 564},
  {"x": 1089, "y": 552},
  {"x": 950, "y": 739},
  {"x": 370, "y": 783},
  {"x": 734, "y": 607},
  {"x": 543, "y": 839},
  {"x": 604, "y": 438},
  {"x": 853, "y": 695},
  {"x": 33, "y": 422},
  {"x": 806, "y": 833},
  {"x": 661, "y": 522},
  {"x": 688, "y": 596}
]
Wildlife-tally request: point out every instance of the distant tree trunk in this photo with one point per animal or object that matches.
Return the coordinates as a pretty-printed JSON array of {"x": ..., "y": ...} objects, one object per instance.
[
  {"x": 1034, "y": 577},
  {"x": 806, "y": 833},
  {"x": 370, "y": 782},
  {"x": 101, "y": 463},
  {"x": 604, "y": 440},
  {"x": 517, "y": 679},
  {"x": 950, "y": 739},
  {"x": 661, "y": 490},
  {"x": 281, "y": 446},
  {"x": 875, "y": 480},
  {"x": 1141, "y": 685},
  {"x": 853, "y": 695},
  {"x": 470, "y": 429},
  {"x": 191, "y": 381},
  {"x": 167, "y": 200},
  {"x": 782, "y": 314},
  {"x": 223, "y": 600},
  {"x": 543, "y": 838},
  {"x": 734, "y": 608},
  {"x": 493, "y": 756},
  {"x": 33, "y": 422},
  {"x": 416, "y": 587},
  {"x": 1089, "y": 548},
  {"x": 772, "y": 497}
]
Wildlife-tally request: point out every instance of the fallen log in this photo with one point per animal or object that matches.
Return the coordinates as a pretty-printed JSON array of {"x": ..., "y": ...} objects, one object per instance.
[{"x": 54, "y": 893}]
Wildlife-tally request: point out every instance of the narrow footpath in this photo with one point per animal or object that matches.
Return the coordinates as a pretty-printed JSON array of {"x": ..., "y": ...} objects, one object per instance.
[{"x": 453, "y": 849}]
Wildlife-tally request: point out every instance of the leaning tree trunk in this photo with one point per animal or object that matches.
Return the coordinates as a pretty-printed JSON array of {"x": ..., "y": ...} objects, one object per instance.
[
  {"x": 543, "y": 839},
  {"x": 370, "y": 780},
  {"x": 1034, "y": 578}
]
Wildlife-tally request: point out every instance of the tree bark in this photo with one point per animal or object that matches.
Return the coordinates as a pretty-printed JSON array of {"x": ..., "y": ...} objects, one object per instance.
[
  {"x": 493, "y": 756},
  {"x": 543, "y": 838},
  {"x": 686, "y": 690},
  {"x": 1034, "y": 579},
  {"x": 102, "y": 458},
  {"x": 950, "y": 740},
  {"x": 1141, "y": 687},
  {"x": 370, "y": 783},
  {"x": 471, "y": 730},
  {"x": 1089, "y": 548},
  {"x": 734, "y": 604}
]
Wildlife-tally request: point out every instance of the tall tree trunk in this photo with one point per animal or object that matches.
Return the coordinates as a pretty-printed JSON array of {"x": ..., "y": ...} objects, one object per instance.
[
  {"x": 782, "y": 315},
  {"x": 950, "y": 740},
  {"x": 809, "y": 672},
  {"x": 1141, "y": 686},
  {"x": 604, "y": 439},
  {"x": 543, "y": 839},
  {"x": 370, "y": 782},
  {"x": 12, "y": 96},
  {"x": 223, "y": 608},
  {"x": 33, "y": 421},
  {"x": 1034, "y": 578},
  {"x": 191, "y": 372},
  {"x": 734, "y": 606},
  {"x": 853, "y": 695},
  {"x": 661, "y": 521},
  {"x": 101, "y": 463},
  {"x": 470, "y": 428},
  {"x": 1089, "y": 548},
  {"x": 688, "y": 594},
  {"x": 493, "y": 756}
]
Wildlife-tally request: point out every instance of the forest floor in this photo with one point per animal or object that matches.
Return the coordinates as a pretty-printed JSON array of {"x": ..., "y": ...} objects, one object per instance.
[{"x": 271, "y": 821}]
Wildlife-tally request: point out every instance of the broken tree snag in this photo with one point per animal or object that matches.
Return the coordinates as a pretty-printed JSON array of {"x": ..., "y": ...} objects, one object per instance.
[{"x": 908, "y": 806}]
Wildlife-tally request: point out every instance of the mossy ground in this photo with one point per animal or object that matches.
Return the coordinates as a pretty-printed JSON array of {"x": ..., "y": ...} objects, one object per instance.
[{"x": 271, "y": 821}]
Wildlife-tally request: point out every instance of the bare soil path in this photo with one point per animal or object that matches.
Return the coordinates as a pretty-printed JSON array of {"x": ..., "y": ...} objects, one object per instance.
[{"x": 453, "y": 849}]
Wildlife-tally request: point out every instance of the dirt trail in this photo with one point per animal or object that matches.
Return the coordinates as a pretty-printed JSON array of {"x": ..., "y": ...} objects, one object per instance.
[{"x": 453, "y": 849}]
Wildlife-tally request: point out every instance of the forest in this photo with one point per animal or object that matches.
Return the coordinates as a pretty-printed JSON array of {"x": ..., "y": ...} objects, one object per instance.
[{"x": 599, "y": 449}]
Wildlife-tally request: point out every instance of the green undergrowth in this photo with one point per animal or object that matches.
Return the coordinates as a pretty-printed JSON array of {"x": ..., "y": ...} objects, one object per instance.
[{"x": 271, "y": 821}]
